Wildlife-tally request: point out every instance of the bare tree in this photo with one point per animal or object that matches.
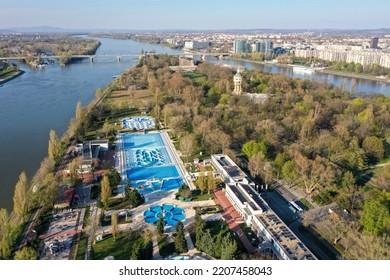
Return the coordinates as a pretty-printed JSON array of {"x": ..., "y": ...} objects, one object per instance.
[{"x": 187, "y": 145}]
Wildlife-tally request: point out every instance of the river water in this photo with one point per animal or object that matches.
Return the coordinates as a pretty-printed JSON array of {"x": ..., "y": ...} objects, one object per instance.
[{"x": 44, "y": 99}]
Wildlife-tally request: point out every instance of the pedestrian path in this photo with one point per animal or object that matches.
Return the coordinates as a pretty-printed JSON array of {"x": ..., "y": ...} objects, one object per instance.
[{"x": 232, "y": 219}]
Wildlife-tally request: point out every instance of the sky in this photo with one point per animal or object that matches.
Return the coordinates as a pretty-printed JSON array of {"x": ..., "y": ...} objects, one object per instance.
[{"x": 196, "y": 14}]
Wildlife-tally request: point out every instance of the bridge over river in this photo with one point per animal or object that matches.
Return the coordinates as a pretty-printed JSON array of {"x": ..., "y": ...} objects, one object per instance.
[{"x": 117, "y": 56}]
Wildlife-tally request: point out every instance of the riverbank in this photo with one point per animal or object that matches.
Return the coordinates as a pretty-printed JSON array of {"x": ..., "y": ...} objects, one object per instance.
[
  {"x": 11, "y": 76},
  {"x": 324, "y": 71},
  {"x": 353, "y": 75}
]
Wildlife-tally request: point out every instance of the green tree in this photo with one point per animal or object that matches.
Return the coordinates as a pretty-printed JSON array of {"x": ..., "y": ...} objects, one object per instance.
[
  {"x": 229, "y": 248},
  {"x": 26, "y": 253},
  {"x": 252, "y": 148},
  {"x": 199, "y": 229},
  {"x": 54, "y": 148},
  {"x": 5, "y": 234},
  {"x": 47, "y": 192},
  {"x": 376, "y": 215},
  {"x": 135, "y": 198},
  {"x": 106, "y": 128},
  {"x": 21, "y": 196},
  {"x": 73, "y": 165},
  {"x": 374, "y": 148},
  {"x": 201, "y": 182},
  {"x": 206, "y": 243},
  {"x": 160, "y": 225},
  {"x": 211, "y": 184},
  {"x": 289, "y": 171},
  {"x": 180, "y": 240},
  {"x": 105, "y": 192},
  {"x": 114, "y": 224},
  {"x": 136, "y": 251},
  {"x": 114, "y": 178}
]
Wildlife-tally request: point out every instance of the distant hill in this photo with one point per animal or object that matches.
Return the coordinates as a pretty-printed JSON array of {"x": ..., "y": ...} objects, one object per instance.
[{"x": 50, "y": 29}]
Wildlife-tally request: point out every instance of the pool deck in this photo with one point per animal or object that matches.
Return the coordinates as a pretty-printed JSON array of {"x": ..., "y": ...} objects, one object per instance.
[{"x": 176, "y": 160}]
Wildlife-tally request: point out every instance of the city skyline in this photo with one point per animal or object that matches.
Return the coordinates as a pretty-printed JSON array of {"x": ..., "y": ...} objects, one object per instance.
[{"x": 202, "y": 15}]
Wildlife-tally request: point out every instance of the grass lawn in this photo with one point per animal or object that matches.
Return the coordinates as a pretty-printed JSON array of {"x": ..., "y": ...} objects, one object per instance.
[
  {"x": 197, "y": 78},
  {"x": 130, "y": 98},
  {"x": 209, "y": 209},
  {"x": 120, "y": 249},
  {"x": 166, "y": 248},
  {"x": 202, "y": 197},
  {"x": 117, "y": 204},
  {"x": 82, "y": 248},
  {"x": 250, "y": 235}
]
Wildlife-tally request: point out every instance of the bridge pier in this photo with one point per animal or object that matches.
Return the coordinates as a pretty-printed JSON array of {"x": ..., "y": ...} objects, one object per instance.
[
  {"x": 91, "y": 59},
  {"x": 118, "y": 58}
]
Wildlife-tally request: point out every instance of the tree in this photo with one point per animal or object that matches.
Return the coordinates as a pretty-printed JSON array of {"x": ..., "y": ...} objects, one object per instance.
[
  {"x": 114, "y": 224},
  {"x": 314, "y": 173},
  {"x": 199, "y": 229},
  {"x": 187, "y": 145},
  {"x": 26, "y": 253},
  {"x": 47, "y": 192},
  {"x": 252, "y": 148},
  {"x": 201, "y": 182},
  {"x": 114, "y": 178},
  {"x": 73, "y": 166},
  {"x": 54, "y": 148},
  {"x": 206, "y": 243},
  {"x": 211, "y": 184},
  {"x": 376, "y": 215},
  {"x": 260, "y": 167},
  {"x": 135, "y": 198},
  {"x": 79, "y": 112},
  {"x": 136, "y": 251},
  {"x": 106, "y": 128},
  {"x": 374, "y": 148},
  {"x": 105, "y": 192},
  {"x": 160, "y": 225},
  {"x": 5, "y": 233},
  {"x": 21, "y": 196},
  {"x": 180, "y": 240},
  {"x": 229, "y": 248}
]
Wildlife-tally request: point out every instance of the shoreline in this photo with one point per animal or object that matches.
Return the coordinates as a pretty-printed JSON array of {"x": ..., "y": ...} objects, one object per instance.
[
  {"x": 324, "y": 71},
  {"x": 19, "y": 73}
]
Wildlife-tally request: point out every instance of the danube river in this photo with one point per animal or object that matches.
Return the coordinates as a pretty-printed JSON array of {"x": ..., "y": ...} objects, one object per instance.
[{"x": 44, "y": 99}]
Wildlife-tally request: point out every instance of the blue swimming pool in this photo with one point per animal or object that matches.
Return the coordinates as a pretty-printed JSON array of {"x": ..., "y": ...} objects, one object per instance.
[
  {"x": 171, "y": 214},
  {"x": 149, "y": 165}
]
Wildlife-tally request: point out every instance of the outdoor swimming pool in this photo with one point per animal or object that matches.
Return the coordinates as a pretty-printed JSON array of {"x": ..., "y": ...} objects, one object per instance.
[
  {"x": 149, "y": 164},
  {"x": 171, "y": 214}
]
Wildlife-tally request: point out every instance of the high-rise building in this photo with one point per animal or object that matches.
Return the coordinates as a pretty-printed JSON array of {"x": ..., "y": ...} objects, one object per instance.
[
  {"x": 264, "y": 46},
  {"x": 239, "y": 46},
  {"x": 374, "y": 43}
]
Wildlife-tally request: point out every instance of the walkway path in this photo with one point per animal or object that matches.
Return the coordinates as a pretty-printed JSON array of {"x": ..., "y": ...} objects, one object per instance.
[
  {"x": 156, "y": 251},
  {"x": 232, "y": 218}
]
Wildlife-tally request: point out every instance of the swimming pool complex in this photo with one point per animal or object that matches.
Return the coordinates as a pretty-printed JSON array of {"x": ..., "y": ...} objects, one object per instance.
[
  {"x": 139, "y": 123},
  {"x": 149, "y": 164}
]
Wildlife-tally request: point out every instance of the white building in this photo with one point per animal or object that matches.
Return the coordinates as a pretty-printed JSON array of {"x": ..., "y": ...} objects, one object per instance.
[{"x": 241, "y": 192}]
